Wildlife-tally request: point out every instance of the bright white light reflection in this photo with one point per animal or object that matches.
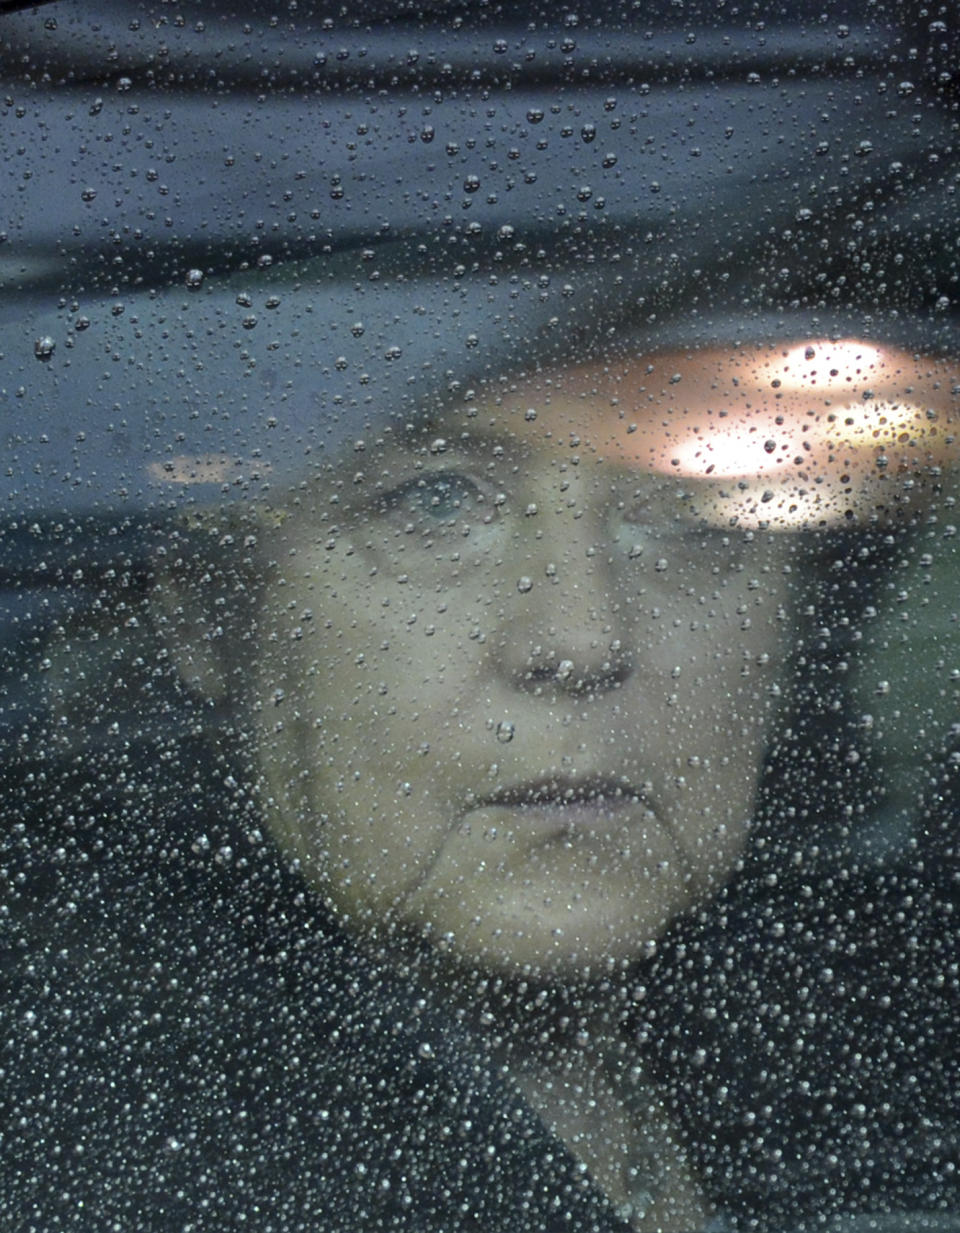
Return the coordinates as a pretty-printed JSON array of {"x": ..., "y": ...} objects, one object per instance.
[{"x": 812, "y": 433}]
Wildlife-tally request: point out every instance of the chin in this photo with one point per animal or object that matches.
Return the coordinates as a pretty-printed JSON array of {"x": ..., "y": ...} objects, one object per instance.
[{"x": 548, "y": 946}]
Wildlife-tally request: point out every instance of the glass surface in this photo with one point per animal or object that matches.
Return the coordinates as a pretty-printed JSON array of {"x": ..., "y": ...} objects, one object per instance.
[{"x": 480, "y": 703}]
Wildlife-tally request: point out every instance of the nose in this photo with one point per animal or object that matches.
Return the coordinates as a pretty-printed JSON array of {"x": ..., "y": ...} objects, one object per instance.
[{"x": 563, "y": 622}]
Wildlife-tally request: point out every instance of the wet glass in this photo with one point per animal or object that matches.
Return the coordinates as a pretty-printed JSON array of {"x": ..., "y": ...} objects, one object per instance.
[{"x": 479, "y": 715}]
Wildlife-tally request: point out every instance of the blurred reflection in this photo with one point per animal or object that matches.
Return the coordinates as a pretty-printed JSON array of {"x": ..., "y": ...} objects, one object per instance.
[{"x": 806, "y": 435}]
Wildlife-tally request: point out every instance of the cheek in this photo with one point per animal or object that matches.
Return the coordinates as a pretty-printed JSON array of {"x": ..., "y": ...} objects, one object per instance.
[
  {"x": 361, "y": 679},
  {"x": 721, "y": 656},
  {"x": 715, "y": 641},
  {"x": 331, "y": 632}
]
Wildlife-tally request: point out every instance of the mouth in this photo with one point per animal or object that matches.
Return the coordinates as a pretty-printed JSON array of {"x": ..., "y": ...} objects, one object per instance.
[
  {"x": 598, "y": 792},
  {"x": 571, "y": 808}
]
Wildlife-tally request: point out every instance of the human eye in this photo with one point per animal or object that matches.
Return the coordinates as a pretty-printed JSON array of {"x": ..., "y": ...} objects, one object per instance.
[
  {"x": 674, "y": 525},
  {"x": 435, "y": 498},
  {"x": 660, "y": 515}
]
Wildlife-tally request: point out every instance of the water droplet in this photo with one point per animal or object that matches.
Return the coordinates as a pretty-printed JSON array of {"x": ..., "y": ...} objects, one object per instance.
[
  {"x": 88, "y": 194},
  {"x": 661, "y": 565},
  {"x": 44, "y": 347},
  {"x": 535, "y": 115},
  {"x": 505, "y": 731},
  {"x": 524, "y": 584},
  {"x": 588, "y": 133},
  {"x": 564, "y": 670},
  {"x": 357, "y": 329},
  {"x": 194, "y": 279}
]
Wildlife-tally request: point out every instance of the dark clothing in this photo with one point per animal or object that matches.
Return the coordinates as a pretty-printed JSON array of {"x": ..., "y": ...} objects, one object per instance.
[
  {"x": 188, "y": 1042},
  {"x": 174, "y": 1058}
]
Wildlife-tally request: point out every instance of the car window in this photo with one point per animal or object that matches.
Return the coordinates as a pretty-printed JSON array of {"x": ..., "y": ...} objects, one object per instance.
[{"x": 479, "y": 714}]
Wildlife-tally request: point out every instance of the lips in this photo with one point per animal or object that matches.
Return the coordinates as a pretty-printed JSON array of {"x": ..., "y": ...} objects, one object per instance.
[
  {"x": 583, "y": 810},
  {"x": 596, "y": 792}
]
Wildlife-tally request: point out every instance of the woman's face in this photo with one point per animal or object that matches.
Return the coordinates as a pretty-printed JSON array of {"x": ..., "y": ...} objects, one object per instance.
[{"x": 513, "y": 691}]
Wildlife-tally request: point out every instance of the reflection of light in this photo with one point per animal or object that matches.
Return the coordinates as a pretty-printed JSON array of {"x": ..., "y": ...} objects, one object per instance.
[
  {"x": 813, "y": 432},
  {"x": 813, "y": 406},
  {"x": 760, "y": 442}
]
